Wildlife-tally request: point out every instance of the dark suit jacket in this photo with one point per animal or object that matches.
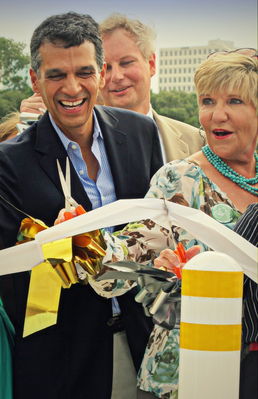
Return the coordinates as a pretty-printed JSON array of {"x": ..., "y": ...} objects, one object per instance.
[{"x": 73, "y": 359}]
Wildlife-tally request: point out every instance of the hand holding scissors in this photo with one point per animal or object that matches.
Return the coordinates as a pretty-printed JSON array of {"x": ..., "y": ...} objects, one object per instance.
[{"x": 173, "y": 261}]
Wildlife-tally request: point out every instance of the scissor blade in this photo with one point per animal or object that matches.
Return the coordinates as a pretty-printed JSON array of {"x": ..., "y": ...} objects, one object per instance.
[{"x": 66, "y": 188}]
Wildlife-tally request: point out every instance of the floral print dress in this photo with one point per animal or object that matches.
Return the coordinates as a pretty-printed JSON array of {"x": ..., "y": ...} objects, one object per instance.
[
  {"x": 185, "y": 183},
  {"x": 182, "y": 182}
]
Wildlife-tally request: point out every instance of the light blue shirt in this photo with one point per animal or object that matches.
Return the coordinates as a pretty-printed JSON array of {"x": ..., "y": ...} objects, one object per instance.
[{"x": 102, "y": 191}]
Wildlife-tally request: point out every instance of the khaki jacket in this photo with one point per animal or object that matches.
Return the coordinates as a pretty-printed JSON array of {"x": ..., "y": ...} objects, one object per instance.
[{"x": 179, "y": 139}]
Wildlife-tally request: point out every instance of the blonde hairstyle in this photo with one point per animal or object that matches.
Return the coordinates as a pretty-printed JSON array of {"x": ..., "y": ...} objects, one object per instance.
[
  {"x": 228, "y": 71},
  {"x": 8, "y": 128},
  {"x": 144, "y": 35}
]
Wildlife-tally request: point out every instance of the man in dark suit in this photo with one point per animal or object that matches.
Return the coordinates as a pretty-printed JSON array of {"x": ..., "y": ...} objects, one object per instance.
[{"x": 113, "y": 154}]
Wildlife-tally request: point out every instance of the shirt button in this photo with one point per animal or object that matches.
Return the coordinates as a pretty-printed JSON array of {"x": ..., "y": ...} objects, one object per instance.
[
  {"x": 74, "y": 147},
  {"x": 81, "y": 172}
]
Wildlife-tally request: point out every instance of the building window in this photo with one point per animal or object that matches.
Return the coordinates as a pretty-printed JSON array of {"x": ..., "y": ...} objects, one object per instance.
[{"x": 161, "y": 62}]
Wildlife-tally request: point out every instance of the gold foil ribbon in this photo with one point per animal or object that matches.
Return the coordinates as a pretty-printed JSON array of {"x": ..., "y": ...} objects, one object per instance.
[{"x": 57, "y": 271}]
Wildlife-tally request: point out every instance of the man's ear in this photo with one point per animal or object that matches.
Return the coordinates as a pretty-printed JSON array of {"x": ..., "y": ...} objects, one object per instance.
[
  {"x": 152, "y": 64},
  {"x": 34, "y": 81},
  {"x": 102, "y": 76}
]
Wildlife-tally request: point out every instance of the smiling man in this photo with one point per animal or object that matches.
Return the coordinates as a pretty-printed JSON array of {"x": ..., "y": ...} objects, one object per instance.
[
  {"x": 113, "y": 154},
  {"x": 131, "y": 63}
]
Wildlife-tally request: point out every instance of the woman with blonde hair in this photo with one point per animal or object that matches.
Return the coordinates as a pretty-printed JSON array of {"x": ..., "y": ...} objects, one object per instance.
[
  {"x": 8, "y": 126},
  {"x": 221, "y": 180}
]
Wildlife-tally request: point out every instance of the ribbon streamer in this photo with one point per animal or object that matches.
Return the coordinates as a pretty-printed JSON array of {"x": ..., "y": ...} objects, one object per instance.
[{"x": 203, "y": 227}]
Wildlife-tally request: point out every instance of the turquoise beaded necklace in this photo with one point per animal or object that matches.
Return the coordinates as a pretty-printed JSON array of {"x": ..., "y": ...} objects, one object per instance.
[{"x": 225, "y": 170}]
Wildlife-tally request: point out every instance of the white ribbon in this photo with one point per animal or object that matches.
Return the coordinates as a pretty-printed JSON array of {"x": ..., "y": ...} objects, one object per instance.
[{"x": 201, "y": 226}]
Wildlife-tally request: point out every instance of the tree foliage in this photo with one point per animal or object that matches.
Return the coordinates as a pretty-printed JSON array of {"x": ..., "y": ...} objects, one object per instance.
[
  {"x": 176, "y": 105},
  {"x": 10, "y": 100},
  {"x": 14, "y": 65}
]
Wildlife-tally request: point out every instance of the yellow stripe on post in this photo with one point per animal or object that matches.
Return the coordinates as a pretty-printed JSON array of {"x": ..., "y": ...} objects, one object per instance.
[
  {"x": 212, "y": 284},
  {"x": 205, "y": 337}
]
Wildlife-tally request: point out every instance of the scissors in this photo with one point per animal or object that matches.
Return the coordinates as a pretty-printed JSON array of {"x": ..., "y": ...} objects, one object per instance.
[{"x": 66, "y": 187}]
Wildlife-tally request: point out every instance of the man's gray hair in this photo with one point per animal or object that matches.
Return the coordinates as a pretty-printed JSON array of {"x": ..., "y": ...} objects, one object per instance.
[{"x": 66, "y": 30}]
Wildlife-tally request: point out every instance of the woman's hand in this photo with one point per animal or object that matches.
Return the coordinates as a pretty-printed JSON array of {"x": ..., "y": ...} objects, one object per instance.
[{"x": 170, "y": 261}]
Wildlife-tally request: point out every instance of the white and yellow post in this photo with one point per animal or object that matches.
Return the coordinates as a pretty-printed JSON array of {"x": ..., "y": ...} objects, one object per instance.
[{"x": 210, "y": 330}]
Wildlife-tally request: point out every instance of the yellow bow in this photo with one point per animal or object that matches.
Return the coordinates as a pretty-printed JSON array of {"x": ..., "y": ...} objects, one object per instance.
[{"x": 57, "y": 271}]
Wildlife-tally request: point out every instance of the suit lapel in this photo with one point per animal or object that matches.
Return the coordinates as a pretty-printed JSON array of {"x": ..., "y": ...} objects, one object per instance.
[
  {"x": 49, "y": 148},
  {"x": 116, "y": 146}
]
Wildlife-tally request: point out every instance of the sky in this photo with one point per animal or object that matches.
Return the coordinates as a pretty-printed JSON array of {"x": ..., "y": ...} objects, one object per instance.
[{"x": 177, "y": 23}]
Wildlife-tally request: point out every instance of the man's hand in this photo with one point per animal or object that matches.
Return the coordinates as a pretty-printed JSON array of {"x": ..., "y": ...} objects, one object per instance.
[{"x": 33, "y": 104}]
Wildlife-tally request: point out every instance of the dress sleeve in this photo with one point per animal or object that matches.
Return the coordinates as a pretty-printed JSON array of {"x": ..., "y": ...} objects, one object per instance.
[{"x": 142, "y": 241}]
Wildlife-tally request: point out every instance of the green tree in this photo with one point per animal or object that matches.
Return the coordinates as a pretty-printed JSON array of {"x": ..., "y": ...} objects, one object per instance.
[
  {"x": 10, "y": 100},
  {"x": 13, "y": 64},
  {"x": 176, "y": 105}
]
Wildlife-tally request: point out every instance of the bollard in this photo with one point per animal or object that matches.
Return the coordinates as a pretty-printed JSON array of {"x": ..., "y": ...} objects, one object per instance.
[{"x": 210, "y": 328}]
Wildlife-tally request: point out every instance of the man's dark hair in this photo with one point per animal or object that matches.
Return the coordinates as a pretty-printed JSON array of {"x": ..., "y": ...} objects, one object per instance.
[{"x": 66, "y": 30}]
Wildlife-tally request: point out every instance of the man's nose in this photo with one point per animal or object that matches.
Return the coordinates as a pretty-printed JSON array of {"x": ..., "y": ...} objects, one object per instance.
[
  {"x": 116, "y": 74},
  {"x": 72, "y": 86}
]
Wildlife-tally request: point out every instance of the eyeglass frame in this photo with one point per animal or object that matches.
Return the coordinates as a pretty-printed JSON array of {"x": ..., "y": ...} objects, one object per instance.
[{"x": 238, "y": 50}]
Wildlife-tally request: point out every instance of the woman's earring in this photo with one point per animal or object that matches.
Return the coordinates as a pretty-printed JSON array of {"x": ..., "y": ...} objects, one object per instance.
[{"x": 202, "y": 134}]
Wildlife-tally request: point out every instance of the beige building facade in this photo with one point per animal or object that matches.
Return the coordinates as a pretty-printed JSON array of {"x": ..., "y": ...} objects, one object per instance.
[{"x": 178, "y": 64}]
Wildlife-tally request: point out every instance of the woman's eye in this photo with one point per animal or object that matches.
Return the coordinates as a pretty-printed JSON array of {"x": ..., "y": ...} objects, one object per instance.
[
  {"x": 236, "y": 101},
  {"x": 206, "y": 101}
]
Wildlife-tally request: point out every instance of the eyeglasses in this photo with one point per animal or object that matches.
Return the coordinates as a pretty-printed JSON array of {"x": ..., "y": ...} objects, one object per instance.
[{"x": 250, "y": 52}]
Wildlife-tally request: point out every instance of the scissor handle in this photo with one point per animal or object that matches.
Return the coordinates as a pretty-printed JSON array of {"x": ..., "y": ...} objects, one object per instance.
[
  {"x": 180, "y": 252},
  {"x": 79, "y": 210}
]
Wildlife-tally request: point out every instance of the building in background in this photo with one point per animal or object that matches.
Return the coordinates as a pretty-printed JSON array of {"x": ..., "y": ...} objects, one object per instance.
[{"x": 178, "y": 64}]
